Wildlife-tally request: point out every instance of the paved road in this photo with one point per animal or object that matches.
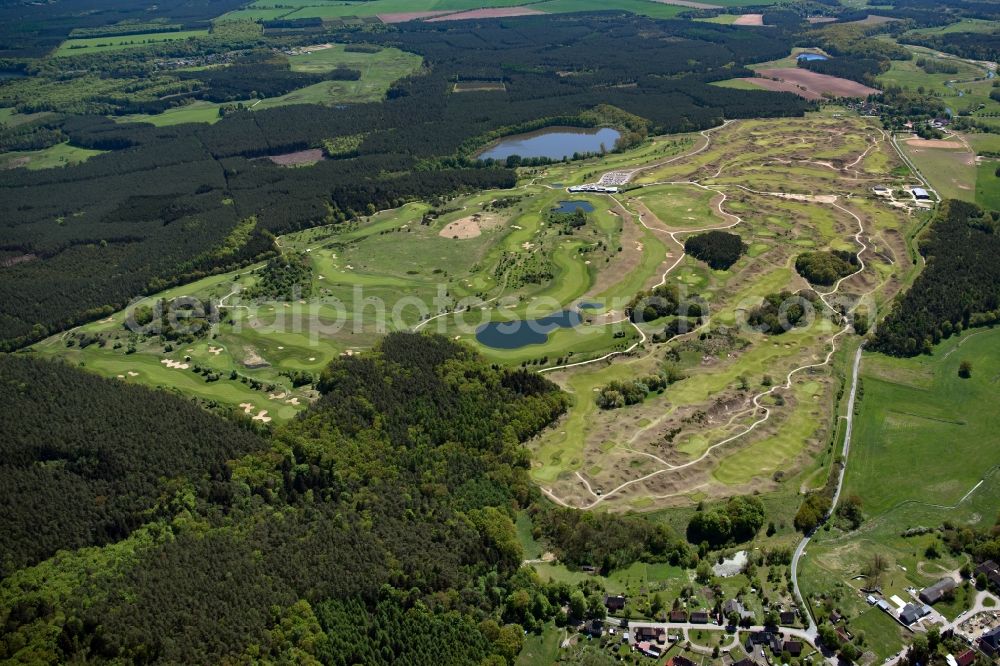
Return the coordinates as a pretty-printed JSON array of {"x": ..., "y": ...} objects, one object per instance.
[
  {"x": 801, "y": 548},
  {"x": 685, "y": 627}
]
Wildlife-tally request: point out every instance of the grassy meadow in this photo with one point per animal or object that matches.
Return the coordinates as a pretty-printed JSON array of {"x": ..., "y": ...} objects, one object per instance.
[
  {"x": 116, "y": 43},
  {"x": 917, "y": 458}
]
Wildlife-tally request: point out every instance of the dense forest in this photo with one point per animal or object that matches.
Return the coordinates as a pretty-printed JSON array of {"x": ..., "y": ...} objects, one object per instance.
[
  {"x": 375, "y": 529},
  {"x": 109, "y": 244},
  {"x": 825, "y": 267},
  {"x": 85, "y": 460},
  {"x": 718, "y": 249},
  {"x": 957, "y": 289},
  {"x": 782, "y": 311}
]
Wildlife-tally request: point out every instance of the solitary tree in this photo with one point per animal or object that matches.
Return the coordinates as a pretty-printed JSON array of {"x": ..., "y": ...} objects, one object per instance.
[{"x": 965, "y": 369}]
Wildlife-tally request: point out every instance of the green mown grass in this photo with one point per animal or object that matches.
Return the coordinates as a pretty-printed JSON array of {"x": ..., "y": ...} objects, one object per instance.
[
  {"x": 924, "y": 426},
  {"x": 988, "y": 185}
]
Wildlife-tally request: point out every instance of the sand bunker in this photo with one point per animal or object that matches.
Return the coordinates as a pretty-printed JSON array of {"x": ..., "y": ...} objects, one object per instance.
[
  {"x": 214, "y": 350},
  {"x": 293, "y": 401},
  {"x": 467, "y": 227},
  {"x": 133, "y": 374},
  {"x": 277, "y": 396},
  {"x": 247, "y": 407},
  {"x": 175, "y": 365},
  {"x": 934, "y": 143},
  {"x": 750, "y": 19},
  {"x": 262, "y": 416}
]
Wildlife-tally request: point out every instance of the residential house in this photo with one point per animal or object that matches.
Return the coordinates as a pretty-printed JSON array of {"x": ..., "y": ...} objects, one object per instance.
[
  {"x": 593, "y": 628},
  {"x": 793, "y": 648},
  {"x": 651, "y": 634},
  {"x": 615, "y": 603},
  {"x": 966, "y": 658},
  {"x": 937, "y": 591},
  {"x": 680, "y": 660},
  {"x": 678, "y": 615},
  {"x": 991, "y": 570},
  {"x": 990, "y": 642},
  {"x": 699, "y": 617},
  {"x": 732, "y": 606},
  {"x": 745, "y": 661},
  {"x": 835, "y": 617},
  {"x": 788, "y": 617},
  {"x": 649, "y": 649}
]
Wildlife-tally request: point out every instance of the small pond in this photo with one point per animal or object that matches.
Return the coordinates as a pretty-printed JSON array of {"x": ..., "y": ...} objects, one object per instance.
[
  {"x": 524, "y": 332},
  {"x": 811, "y": 56},
  {"x": 589, "y": 305},
  {"x": 553, "y": 142},
  {"x": 573, "y": 206}
]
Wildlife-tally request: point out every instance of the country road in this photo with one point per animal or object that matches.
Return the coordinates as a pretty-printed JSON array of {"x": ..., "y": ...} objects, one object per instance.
[{"x": 801, "y": 548}]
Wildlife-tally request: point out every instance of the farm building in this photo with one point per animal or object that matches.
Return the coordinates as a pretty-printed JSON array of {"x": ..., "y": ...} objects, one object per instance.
[
  {"x": 913, "y": 612},
  {"x": 934, "y": 593},
  {"x": 920, "y": 194},
  {"x": 881, "y": 191}
]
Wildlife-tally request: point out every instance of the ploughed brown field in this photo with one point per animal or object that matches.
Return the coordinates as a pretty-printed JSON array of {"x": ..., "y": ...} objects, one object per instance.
[
  {"x": 403, "y": 17},
  {"x": 299, "y": 157},
  {"x": 689, "y": 3},
  {"x": 750, "y": 19},
  {"x": 496, "y": 12},
  {"x": 808, "y": 84}
]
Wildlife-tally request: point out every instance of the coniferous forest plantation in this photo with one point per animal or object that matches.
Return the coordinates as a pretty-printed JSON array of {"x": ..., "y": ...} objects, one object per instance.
[{"x": 730, "y": 389}]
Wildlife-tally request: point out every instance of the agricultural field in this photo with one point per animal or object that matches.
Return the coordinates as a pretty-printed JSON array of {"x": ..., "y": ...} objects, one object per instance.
[
  {"x": 118, "y": 43},
  {"x": 909, "y": 407},
  {"x": 951, "y": 169},
  {"x": 422, "y": 9}
]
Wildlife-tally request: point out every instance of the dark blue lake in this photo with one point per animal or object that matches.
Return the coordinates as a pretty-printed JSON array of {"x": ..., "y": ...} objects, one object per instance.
[
  {"x": 573, "y": 206},
  {"x": 524, "y": 332},
  {"x": 811, "y": 56},
  {"x": 589, "y": 305},
  {"x": 553, "y": 142}
]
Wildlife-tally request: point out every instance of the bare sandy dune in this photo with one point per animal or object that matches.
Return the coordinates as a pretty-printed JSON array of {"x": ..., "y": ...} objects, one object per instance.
[{"x": 466, "y": 227}]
